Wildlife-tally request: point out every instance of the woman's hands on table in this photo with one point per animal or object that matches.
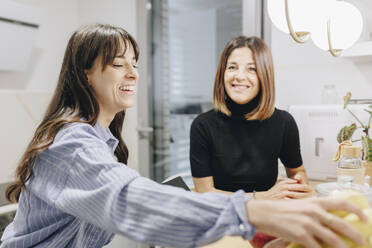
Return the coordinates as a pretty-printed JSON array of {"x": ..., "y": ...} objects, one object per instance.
[
  {"x": 305, "y": 221},
  {"x": 286, "y": 189}
]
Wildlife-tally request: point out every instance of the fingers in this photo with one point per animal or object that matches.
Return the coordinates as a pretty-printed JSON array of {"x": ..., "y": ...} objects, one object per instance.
[
  {"x": 298, "y": 178},
  {"x": 310, "y": 242},
  {"x": 299, "y": 187},
  {"x": 290, "y": 184},
  {"x": 337, "y": 204},
  {"x": 297, "y": 195},
  {"x": 290, "y": 189},
  {"x": 287, "y": 180},
  {"x": 327, "y": 236},
  {"x": 340, "y": 226},
  {"x": 296, "y": 191}
]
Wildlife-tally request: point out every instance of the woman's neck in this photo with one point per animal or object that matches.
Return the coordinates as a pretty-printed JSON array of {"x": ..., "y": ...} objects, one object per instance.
[
  {"x": 105, "y": 119},
  {"x": 240, "y": 110}
]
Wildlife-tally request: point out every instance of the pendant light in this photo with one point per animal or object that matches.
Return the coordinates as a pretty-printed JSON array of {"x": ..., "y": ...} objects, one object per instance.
[
  {"x": 338, "y": 30},
  {"x": 293, "y": 16}
]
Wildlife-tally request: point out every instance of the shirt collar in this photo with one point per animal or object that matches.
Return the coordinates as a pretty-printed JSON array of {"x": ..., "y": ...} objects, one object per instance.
[{"x": 106, "y": 136}]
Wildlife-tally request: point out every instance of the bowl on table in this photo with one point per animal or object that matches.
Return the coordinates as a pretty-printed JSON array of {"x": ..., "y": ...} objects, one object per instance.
[{"x": 260, "y": 239}]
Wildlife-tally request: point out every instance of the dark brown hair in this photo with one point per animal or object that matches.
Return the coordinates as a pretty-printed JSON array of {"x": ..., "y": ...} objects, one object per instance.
[
  {"x": 73, "y": 99},
  {"x": 265, "y": 73}
]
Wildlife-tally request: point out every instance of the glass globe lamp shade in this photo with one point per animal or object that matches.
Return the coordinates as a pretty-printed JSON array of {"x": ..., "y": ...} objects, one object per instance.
[
  {"x": 300, "y": 13},
  {"x": 321, "y": 12},
  {"x": 346, "y": 26}
]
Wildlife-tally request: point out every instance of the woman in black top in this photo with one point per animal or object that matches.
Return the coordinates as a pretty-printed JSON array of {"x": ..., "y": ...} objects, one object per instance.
[{"x": 237, "y": 144}]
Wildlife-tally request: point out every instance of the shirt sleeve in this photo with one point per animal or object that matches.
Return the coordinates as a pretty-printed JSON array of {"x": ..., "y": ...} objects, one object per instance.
[
  {"x": 108, "y": 194},
  {"x": 290, "y": 153},
  {"x": 200, "y": 150}
]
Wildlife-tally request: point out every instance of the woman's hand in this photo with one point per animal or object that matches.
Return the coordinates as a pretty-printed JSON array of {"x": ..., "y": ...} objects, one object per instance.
[
  {"x": 286, "y": 189},
  {"x": 305, "y": 221}
]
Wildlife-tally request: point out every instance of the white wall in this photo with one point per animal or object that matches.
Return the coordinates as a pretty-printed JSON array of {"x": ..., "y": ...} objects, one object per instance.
[
  {"x": 302, "y": 70},
  {"x": 59, "y": 20},
  {"x": 116, "y": 12}
]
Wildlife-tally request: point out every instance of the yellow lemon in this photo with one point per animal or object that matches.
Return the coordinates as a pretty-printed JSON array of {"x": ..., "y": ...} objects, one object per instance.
[{"x": 351, "y": 196}]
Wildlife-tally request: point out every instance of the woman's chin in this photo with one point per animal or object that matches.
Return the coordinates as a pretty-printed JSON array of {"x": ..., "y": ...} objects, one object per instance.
[
  {"x": 127, "y": 104},
  {"x": 240, "y": 98},
  {"x": 241, "y": 101}
]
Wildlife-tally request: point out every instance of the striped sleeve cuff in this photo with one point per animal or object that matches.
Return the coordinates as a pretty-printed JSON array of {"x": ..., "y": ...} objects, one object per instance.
[{"x": 239, "y": 199}]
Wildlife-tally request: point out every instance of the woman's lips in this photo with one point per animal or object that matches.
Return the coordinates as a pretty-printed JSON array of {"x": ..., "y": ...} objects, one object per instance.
[{"x": 128, "y": 90}]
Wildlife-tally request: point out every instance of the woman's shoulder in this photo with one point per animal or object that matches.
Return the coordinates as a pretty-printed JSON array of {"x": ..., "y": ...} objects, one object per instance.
[
  {"x": 282, "y": 115},
  {"x": 77, "y": 129},
  {"x": 206, "y": 116},
  {"x": 78, "y": 134},
  {"x": 70, "y": 140},
  {"x": 209, "y": 116}
]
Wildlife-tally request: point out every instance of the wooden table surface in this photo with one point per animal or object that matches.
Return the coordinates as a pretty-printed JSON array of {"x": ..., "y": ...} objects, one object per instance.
[{"x": 230, "y": 242}]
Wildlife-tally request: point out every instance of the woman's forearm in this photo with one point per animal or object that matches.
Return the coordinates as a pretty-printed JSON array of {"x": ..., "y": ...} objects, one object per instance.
[
  {"x": 301, "y": 177},
  {"x": 298, "y": 174}
]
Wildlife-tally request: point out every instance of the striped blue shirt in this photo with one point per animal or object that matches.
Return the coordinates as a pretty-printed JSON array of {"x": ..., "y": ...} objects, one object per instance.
[{"x": 80, "y": 196}]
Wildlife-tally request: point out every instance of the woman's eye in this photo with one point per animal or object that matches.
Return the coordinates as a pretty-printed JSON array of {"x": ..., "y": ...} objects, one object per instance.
[
  {"x": 253, "y": 69},
  {"x": 231, "y": 67},
  {"x": 135, "y": 66}
]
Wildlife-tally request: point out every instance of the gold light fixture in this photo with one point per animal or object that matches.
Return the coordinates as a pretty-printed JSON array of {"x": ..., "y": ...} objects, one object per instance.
[
  {"x": 299, "y": 36},
  {"x": 334, "y": 52},
  {"x": 339, "y": 30},
  {"x": 292, "y": 17},
  {"x": 333, "y": 25}
]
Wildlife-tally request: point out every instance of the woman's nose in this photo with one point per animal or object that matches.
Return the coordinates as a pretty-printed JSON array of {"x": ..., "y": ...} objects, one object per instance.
[
  {"x": 131, "y": 73},
  {"x": 240, "y": 75}
]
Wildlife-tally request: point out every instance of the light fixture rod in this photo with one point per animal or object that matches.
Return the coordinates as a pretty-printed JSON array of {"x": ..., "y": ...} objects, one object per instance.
[
  {"x": 334, "y": 52},
  {"x": 300, "y": 37}
]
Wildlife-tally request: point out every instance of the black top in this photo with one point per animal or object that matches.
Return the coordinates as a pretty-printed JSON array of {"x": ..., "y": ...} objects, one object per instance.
[{"x": 242, "y": 154}]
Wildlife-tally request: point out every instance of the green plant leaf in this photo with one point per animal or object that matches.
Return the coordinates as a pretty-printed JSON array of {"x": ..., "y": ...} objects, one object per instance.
[
  {"x": 346, "y": 132},
  {"x": 370, "y": 106},
  {"x": 367, "y": 143},
  {"x": 347, "y": 98},
  {"x": 370, "y": 112}
]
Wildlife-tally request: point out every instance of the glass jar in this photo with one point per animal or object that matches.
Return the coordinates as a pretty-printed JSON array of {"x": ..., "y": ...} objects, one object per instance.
[
  {"x": 343, "y": 184},
  {"x": 350, "y": 164},
  {"x": 329, "y": 94}
]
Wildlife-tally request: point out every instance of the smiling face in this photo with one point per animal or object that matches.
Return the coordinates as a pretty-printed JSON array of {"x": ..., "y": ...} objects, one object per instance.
[
  {"x": 240, "y": 79},
  {"x": 115, "y": 84}
]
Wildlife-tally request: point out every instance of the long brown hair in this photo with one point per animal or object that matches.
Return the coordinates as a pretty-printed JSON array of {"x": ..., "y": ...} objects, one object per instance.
[
  {"x": 73, "y": 99},
  {"x": 265, "y": 72}
]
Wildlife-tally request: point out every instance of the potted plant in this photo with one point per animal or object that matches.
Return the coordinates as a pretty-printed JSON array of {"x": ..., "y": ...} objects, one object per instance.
[{"x": 347, "y": 132}]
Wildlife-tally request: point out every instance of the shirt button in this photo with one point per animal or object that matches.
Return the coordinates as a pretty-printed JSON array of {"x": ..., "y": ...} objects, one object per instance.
[{"x": 242, "y": 228}]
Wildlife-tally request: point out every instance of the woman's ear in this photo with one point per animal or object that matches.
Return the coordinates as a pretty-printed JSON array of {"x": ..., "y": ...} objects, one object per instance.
[{"x": 87, "y": 75}]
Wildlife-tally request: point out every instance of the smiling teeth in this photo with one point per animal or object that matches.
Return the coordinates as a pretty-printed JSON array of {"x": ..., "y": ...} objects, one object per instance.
[
  {"x": 241, "y": 86},
  {"x": 127, "y": 88}
]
